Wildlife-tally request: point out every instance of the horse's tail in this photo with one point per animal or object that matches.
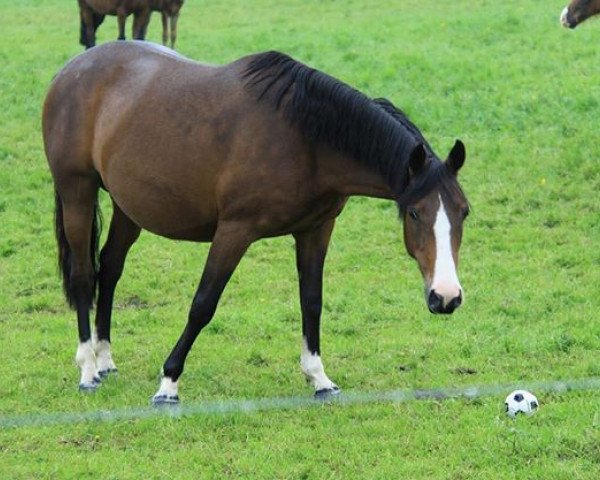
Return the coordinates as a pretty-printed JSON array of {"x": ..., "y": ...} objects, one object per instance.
[
  {"x": 82, "y": 34},
  {"x": 64, "y": 250}
]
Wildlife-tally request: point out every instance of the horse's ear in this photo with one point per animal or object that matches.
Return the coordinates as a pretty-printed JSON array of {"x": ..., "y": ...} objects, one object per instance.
[
  {"x": 456, "y": 157},
  {"x": 417, "y": 160}
]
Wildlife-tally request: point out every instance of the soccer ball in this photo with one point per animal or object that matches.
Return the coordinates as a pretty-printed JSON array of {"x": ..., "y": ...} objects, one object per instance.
[{"x": 521, "y": 401}]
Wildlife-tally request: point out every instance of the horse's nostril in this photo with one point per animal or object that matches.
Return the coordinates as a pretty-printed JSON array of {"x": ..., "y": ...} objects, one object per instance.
[
  {"x": 435, "y": 302},
  {"x": 454, "y": 304},
  {"x": 565, "y": 18}
]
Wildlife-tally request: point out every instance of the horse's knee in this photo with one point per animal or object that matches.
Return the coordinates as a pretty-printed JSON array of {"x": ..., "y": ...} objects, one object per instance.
[
  {"x": 111, "y": 268},
  {"x": 201, "y": 312}
]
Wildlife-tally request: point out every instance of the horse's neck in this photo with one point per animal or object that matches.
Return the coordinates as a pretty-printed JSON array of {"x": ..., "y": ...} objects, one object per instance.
[{"x": 349, "y": 177}]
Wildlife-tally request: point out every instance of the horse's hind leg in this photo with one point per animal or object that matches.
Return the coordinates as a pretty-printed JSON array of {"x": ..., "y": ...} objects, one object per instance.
[
  {"x": 229, "y": 245},
  {"x": 121, "y": 236},
  {"x": 141, "y": 19},
  {"x": 121, "y": 20},
  {"x": 311, "y": 249},
  {"x": 165, "y": 26},
  {"x": 76, "y": 234},
  {"x": 174, "y": 19}
]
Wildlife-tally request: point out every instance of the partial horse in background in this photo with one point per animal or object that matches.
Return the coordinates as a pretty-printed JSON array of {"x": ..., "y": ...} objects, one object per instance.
[
  {"x": 92, "y": 13},
  {"x": 89, "y": 21},
  {"x": 578, "y": 11}
]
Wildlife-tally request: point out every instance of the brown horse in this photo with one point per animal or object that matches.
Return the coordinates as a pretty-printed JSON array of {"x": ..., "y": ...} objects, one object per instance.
[
  {"x": 578, "y": 11},
  {"x": 92, "y": 13},
  {"x": 264, "y": 146}
]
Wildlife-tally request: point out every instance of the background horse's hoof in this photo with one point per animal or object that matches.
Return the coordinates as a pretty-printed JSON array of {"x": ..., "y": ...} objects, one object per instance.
[
  {"x": 105, "y": 373},
  {"x": 327, "y": 393},
  {"x": 90, "y": 386},
  {"x": 164, "y": 399}
]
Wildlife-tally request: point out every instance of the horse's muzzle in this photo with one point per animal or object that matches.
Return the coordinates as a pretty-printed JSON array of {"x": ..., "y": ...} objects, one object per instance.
[
  {"x": 435, "y": 302},
  {"x": 566, "y": 19}
]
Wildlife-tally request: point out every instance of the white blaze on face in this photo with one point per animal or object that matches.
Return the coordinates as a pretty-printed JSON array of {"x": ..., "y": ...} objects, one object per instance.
[
  {"x": 313, "y": 369},
  {"x": 563, "y": 17},
  {"x": 445, "y": 281}
]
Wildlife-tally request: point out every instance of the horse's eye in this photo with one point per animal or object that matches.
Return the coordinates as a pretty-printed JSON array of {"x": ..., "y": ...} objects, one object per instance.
[
  {"x": 466, "y": 212},
  {"x": 413, "y": 213}
]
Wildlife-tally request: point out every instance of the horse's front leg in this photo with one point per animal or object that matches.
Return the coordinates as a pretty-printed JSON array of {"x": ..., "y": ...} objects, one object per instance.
[
  {"x": 311, "y": 249},
  {"x": 229, "y": 245}
]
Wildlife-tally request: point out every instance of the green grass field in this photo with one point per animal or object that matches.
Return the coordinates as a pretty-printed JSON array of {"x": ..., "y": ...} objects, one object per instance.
[{"x": 519, "y": 90}]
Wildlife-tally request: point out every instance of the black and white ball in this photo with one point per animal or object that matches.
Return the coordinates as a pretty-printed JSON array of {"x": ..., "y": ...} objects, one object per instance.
[{"x": 521, "y": 401}]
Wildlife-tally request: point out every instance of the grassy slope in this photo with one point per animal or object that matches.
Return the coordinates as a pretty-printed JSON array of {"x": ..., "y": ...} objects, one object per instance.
[{"x": 523, "y": 95}]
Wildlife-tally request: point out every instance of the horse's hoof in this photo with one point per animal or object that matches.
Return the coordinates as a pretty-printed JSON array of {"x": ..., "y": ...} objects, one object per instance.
[
  {"x": 105, "y": 373},
  {"x": 327, "y": 393},
  {"x": 164, "y": 399},
  {"x": 90, "y": 387}
]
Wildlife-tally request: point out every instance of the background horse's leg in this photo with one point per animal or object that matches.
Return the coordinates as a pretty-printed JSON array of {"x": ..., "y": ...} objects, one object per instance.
[
  {"x": 122, "y": 20},
  {"x": 141, "y": 19},
  {"x": 98, "y": 19},
  {"x": 165, "y": 24},
  {"x": 76, "y": 231},
  {"x": 174, "y": 19},
  {"x": 121, "y": 236},
  {"x": 311, "y": 249},
  {"x": 229, "y": 245}
]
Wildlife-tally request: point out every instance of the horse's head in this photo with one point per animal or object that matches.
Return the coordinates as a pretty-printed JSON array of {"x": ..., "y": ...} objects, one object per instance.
[
  {"x": 578, "y": 11},
  {"x": 434, "y": 209}
]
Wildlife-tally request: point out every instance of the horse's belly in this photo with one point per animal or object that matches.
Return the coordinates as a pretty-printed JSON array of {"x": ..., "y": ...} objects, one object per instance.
[
  {"x": 165, "y": 211},
  {"x": 103, "y": 7}
]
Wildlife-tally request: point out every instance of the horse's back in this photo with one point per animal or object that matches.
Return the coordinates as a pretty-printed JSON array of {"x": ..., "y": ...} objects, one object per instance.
[
  {"x": 109, "y": 7},
  {"x": 107, "y": 84}
]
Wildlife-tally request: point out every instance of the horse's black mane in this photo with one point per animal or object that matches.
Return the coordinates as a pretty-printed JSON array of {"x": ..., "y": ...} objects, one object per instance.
[
  {"x": 436, "y": 174},
  {"x": 403, "y": 119},
  {"x": 326, "y": 110}
]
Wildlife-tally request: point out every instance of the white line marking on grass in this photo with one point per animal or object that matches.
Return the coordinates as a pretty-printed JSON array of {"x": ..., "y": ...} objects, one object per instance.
[{"x": 228, "y": 407}]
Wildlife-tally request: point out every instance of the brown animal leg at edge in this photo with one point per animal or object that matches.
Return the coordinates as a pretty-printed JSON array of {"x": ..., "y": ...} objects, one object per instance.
[
  {"x": 174, "y": 19},
  {"x": 141, "y": 20},
  {"x": 121, "y": 236},
  {"x": 229, "y": 245},
  {"x": 165, "y": 26},
  {"x": 121, "y": 19},
  {"x": 311, "y": 249}
]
